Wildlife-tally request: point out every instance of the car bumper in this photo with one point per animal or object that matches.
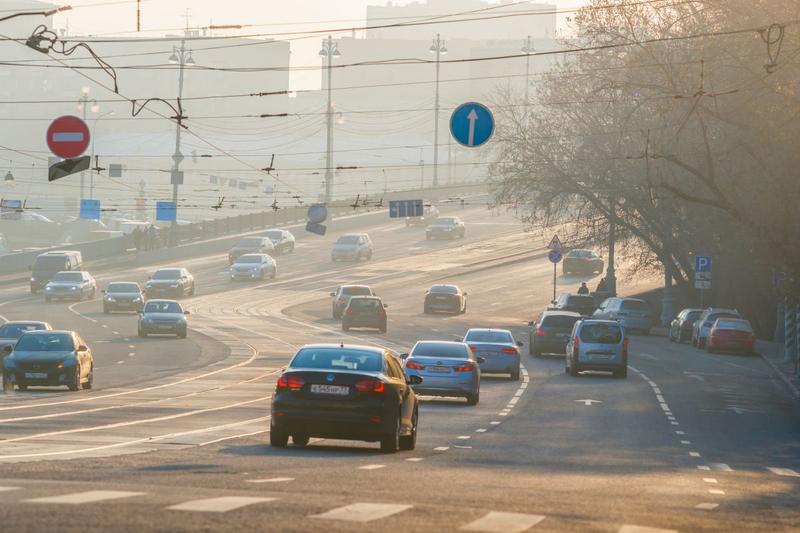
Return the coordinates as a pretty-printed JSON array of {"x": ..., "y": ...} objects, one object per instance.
[
  {"x": 447, "y": 386},
  {"x": 558, "y": 346},
  {"x": 236, "y": 276},
  {"x": 63, "y": 295},
  {"x": 451, "y": 307},
  {"x": 503, "y": 364},
  {"x": 123, "y": 306},
  {"x": 442, "y": 234},
  {"x": 588, "y": 362},
  {"x": 369, "y": 424},
  {"x": 162, "y": 329},
  {"x": 376, "y": 324},
  {"x": 731, "y": 346},
  {"x": 171, "y": 292},
  {"x": 51, "y": 378},
  {"x": 342, "y": 256}
]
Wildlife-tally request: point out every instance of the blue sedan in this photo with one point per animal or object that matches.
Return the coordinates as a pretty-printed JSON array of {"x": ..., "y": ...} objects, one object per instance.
[{"x": 499, "y": 350}]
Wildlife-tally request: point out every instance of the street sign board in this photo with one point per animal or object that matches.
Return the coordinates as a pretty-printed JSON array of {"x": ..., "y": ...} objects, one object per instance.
[
  {"x": 64, "y": 168},
  {"x": 702, "y": 263},
  {"x": 472, "y": 124},
  {"x": 68, "y": 136},
  {"x": 166, "y": 211},
  {"x": 555, "y": 243},
  {"x": 115, "y": 170},
  {"x": 315, "y": 227},
  {"x": 406, "y": 208},
  {"x": 90, "y": 210},
  {"x": 554, "y": 256},
  {"x": 702, "y": 284}
]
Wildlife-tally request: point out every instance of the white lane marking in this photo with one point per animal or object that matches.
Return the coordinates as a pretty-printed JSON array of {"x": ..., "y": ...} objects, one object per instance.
[
  {"x": 415, "y": 459},
  {"x": 271, "y": 480},
  {"x": 627, "y": 528},
  {"x": 495, "y": 522},
  {"x": 710, "y": 480},
  {"x": 105, "y": 325},
  {"x": 721, "y": 466},
  {"x": 120, "y": 362},
  {"x": 686, "y": 442},
  {"x": 716, "y": 491},
  {"x": 131, "y": 346},
  {"x": 480, "y": 430},
  {"x": 674, "y": 423},
  {"x": 703, "y": 467},
  {"x": 588, "y": 402},
  {"x": 494, "y": 422},
  {"x": 783, "y": 471},
  {"x": 503, "y": 414},
  {"x": 694, "y": 454},
  {"x": 6, "y": 489},
  {"x": 131, "y": 354},
  {"x": 363, "y": 512},
  {"x": 660, "y": 398},
  {"x": 115, "y": 332},
  {"x": 521, "y": 390},
  {"x": 648, "y": 356},
  {"x": 680, "y": 433},
  {"x": 371, "y": 467},
  {"x": 462, "y": 447},
  {"x": 513, "y": 401},
  {"x": 231, "y": 437},
  {"x": 86, "y": 497},
  {"x": 706, "y": 506},
  {"x": 441, "y": 448},
  {"x": 463, "y": 437},
  {"x": 218, "y": 505}
]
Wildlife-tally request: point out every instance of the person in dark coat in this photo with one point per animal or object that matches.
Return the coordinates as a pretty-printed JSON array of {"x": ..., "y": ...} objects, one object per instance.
[
  {"x": 602, "y": 287},
  {"x": 583, "y": 289}
]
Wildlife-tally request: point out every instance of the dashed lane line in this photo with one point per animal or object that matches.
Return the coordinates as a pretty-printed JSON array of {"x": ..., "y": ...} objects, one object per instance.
[
  {"x": 363, "y": 512},
  {"x": 91, "y": 496},
  {"x": 371, "y": 467},
  {"x": 783, "y": 471},
  {"x": 706, "y": 506},
  {"x": 627, "y": 528},
  {"x": 496, "y": 522},
  {"x": 218, "y": 505},
  {"x": 271, "y": 480}
]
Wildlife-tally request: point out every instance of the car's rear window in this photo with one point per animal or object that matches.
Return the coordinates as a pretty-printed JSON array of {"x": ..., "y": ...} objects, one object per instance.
[
  {"x": 489, "y": 336},
  {"x": 445, "y": 221},
  {"x": 168, "y": 273},
  {"x": 163, "y": 307},
  {"x": 445, "y": 289},
  {"x": 337, "y": 359},
  {"x": 356, "y": 291},
  {"x": 734, "y": 324},
  {"x": 713, "y": 316},
  {"x": 439, "y": 349},
  {"x": 580, "y": 301},
  {"x": 365, "y": 303},
  {"x": 275, "y": 235},
  {"x": 45, "y": 342},
  {"x": 601, "y": 334},
  {"x": 637, "y": 305},
  {"x": 693, "y": 315},
  {"x": 580, "y": 253},
  {"x": 348, "y": 239},
  {"x": 53, "y": 262},
  {"x": 559, "y": 321}
]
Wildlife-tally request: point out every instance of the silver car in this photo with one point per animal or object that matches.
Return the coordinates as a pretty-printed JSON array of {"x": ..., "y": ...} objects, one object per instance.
[
  {"x": 447, "y": 369},
  {"x": 253, "y": 266},
  {"x": 73, "y": 285},
  {"x": 598, "y": 345},
  {"x": 352, "y": 247},
  {"x": 499, "y": 350},
  {"x": 632, "y": 313}
]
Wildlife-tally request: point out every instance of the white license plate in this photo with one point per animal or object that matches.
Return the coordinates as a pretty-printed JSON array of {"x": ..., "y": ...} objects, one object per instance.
[
  {"x": 164, "y": 327},
  {"x": 36, "y": 375},
  {"x": 439, "y": 368},
  {"x": 338, "y": 390}
]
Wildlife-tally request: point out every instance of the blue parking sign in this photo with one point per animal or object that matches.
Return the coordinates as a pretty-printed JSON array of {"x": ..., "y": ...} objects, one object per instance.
[
  {"x": 90, "y": 210},
  {"x": 167, "y": 211},
  {"x": 702, "y": 263}
]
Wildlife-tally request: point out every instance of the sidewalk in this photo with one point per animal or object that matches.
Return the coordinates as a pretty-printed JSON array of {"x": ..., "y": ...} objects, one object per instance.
[{"x": 772, "y": 353}]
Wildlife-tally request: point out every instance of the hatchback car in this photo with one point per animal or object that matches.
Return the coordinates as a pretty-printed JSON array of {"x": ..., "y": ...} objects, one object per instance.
[
  {"x": 343, "y": 391},
  {"x": 447, "y": 368},
  {"x": 253, "y": 266},
  {"x": 49, "y": 359},
  {"x": 282, "y": 240},
  {"x": 446, "y": 228},
  {"x": 365, "y": 312},
  {"x": 703, "y": 324},
  {"x": 70, "y": 285},
  {"x": 731, "y": 335},
  {"x": 170, "y": 283},
  {"x": 341, "y": 298},
  {"x": 250, "y": 245},
  {"x": 163, "y": 317},
  {"x": 582, "y": 262},
  {"x": 551, "y": 332},
  {"x": 578, "y": 303},
  {"x": 352, "y": 247},
  {"x": 499, "y": 350},
  {"x": 632, "y": 313},
  {"x": 680, "y": 329},
  {"x": 447, "y": 298},
  {"x": 598, "y": 345},
  {"x": 122, "y": 296}
]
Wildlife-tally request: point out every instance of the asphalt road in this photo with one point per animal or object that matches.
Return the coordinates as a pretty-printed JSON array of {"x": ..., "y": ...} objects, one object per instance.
[{"x": 173, "y": 437}]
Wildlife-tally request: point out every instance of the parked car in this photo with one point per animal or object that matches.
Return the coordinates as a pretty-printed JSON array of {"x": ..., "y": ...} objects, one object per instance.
[
  {"x": 499, "y": 350},
  {"x": 365, "y": 312},
  {"x": 446, "y": 228},
  {"x": 731, "y": 335},
  {"x": 446, "y": 368},
  {"x": 282, "y": 240},
  {"x": 680, "y": 329},
  {"x": 123, "y": 296},
  {"x": 170, "y": 282},
  {"x": 551, "y": 332},
  {"x": 253, "y": 266},
  {"x": 163, "y": 317},
  {"x": 597, "y": 345},
  {"x": 702, "y": 325},
  {"x": 429, "y": 215},
  {"x": 449, "y": 298},
  {"x": 352, "y": 247},
  {"x": 577, "y": 303},
  {"x": 49, "y": 359},
  {"x": 73, "y": 285},
  {"x": 341, "y": 298},
  {"x": 632, "y": 313},
  {"x": 338, "y": 391},
  {"x": 250, "y": 245},
  {"x": 582, "y": 262},
  {"x": 11, "y": 331},
  {"x": 48, "y": 264}
]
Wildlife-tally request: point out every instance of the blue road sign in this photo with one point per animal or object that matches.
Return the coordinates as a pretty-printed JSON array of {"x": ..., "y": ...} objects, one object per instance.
[
  {"x": 314, "y": 227},
  {"x": 13, "y": 209},
  {"x": 90, "y": 210},
  {"x": 166, "y": 211},
  {"x": 554, "y": 256},
  {"x": 472, "y": 124},
  {"x": 702, "y": 263},
  {"x": 405, "y": 208},
  {"x": 317, "y": 214}
]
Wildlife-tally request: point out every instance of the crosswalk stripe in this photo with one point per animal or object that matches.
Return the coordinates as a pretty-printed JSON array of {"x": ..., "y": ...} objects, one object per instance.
[
  {"x": 271, "y": 480},
  {"x": 783, "y": 471},
  {"x": 371, "y": 467},
  {"x": 627, "y": 528},
  {"x": 721, "y": 466},
  {"x": 218, "y": 505},
  {"x": 495, "y": 522},
  {"x": 86, "y": 497},
  {"x": 363, "y": 512}
]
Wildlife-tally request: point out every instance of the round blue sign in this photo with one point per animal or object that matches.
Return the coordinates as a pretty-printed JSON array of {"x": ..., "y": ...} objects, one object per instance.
[
  {"x": 554, "y": 256},
  {"x": 472, "y": 124},
  {"x": 317, "y": 214}
]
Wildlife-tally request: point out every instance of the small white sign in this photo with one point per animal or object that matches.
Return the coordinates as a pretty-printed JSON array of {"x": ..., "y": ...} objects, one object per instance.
[
  {"x": 702, "y": 276},
  {"x": 702, "y": 284}
]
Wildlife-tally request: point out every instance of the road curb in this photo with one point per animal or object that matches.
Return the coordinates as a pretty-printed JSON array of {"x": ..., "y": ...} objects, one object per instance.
[{"x": 782, "y": 376}]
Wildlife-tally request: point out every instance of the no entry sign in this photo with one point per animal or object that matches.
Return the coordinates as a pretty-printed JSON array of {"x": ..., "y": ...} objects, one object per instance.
[{"x": 68, "y": 137}]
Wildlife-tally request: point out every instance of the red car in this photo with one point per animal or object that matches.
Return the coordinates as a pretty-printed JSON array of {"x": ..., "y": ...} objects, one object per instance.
[{"x": 731, "y": 335}]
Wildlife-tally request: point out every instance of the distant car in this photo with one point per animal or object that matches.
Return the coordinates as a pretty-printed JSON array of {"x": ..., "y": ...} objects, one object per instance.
[
  {"x": 429, "y": 215},
  {"x": 49, "y": 359},
  {"x": 577, "y": 303},
  {"x": 72, "y": 285},
  {"x": 446, "y": 228},
  {"x": 632, "y": 313},
  {"x": 582, "y": 262},
  {"x": 250, "y": 245},
  {"x": 551, "y": 332},
  {"x": 253, "y": 266},
  {"x": 680, "y": 329},
  {"x": 447, "y": 298},
  {"x": 282, "y": 240},
  {"x": 338, "y": 391},
  {"x": 597, "y": 345},
  {"x": 703, "y": 324},
  {"x": 365, "y": 312},
  {"x": 10, "y": 332},
  {"x": 122, "y": 296},
  {"x": 446, "y": 368},
  {"x": 163, "y": 317},
  {"x": 499, "y": 350},
  {"x": 48, "y": 264},
  {"x": 341, "y": 298},
  {"x": 352, "y": 247},
  {"x": 169, "y": 282},
  {"x": 731, "y": 335}
]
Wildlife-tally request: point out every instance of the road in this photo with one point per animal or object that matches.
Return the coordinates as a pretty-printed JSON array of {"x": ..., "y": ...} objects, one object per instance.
[{"x": 173, "y": 437}]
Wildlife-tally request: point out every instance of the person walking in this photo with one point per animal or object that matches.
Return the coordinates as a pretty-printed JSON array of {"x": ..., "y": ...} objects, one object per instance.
[{"x": 583, "y": 289}]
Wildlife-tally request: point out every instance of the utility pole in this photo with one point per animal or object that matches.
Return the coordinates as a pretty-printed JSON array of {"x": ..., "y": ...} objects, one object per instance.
[
  {"x": 328, "y": 51},
  {"x": 527, "y": 49},
  {"x": 439, "y": 49},
  {"x": 182, "y": 57},
  {"x": 83, "y": 102},
  {"x": 611, "y": 276}
]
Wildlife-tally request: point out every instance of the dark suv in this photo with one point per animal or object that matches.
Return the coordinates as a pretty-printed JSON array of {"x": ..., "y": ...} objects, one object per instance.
[
  {"x": 365, "y": 312},
  {"x": 577, "y": 303},
  {"x": 550, "y": 333}
]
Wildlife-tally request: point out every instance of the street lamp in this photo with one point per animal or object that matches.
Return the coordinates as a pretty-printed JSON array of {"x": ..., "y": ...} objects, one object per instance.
[
  {"x": 527, "y": 49},
  {"x": 438, "y": 48},
  {"x": 94, "y": 128},
  {"x": 182, "y": 57},
  {"x": 328, "y": 52},
  {"x": 83, "y": 102}
]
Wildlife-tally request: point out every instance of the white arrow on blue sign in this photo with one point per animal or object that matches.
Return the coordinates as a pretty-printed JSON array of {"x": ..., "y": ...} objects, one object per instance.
[
  {"x": 472, "y": 124},
  {"x": 554, "y": 256},
  {"x": 702, "y": 263}
]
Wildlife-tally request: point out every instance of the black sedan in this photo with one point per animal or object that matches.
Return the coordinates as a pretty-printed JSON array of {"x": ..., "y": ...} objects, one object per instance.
[
  {"x": 338, "y": 391},
  {"x": 163, "y": 317},
  {"x": 122, "y": 296},
  {"x": 680, "y": 329},
  {"x": 170, "y": 283},
  {"x": 447, "y": 298},
  {"x": 49, "y": 358},
  {"x": 551, "y": 332},
  {"x": 11, "y": 331}
]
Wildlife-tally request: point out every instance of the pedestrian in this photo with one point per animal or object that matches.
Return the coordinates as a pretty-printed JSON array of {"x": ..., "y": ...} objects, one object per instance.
[
  {"x": 602, "y": 287},
  {"x": 151, "y": 238},
  {"x": 137, "y": 238},
  {"x": 583, "y": 289}
]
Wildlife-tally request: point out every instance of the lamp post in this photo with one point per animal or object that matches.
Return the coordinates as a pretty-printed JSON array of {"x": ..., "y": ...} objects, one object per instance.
[
  {"x": 328, "y": 52},
  {"x": 611, "y": 277},
  {"x": 527, "y": 49},
  {"x": 83, "y": 103},
  {"x": 94, "y": 128},
  {"x": 182, "y": 57},
  {"x": 438, "y": 48}
]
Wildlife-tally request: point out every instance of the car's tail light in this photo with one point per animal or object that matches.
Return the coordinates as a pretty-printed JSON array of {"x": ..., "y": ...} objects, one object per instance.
[
  {"x": 625, "y": 347},
  {"x": 540, "y": 332},
  {"x": 576, "y": 346},
  {"x": 370, "y": 385},
  {"x": 466, "y": 367},
  {"x": 415, "y": 366},
  {"x": 512, "y": 351},
  {"x": 291, "y": 382}
]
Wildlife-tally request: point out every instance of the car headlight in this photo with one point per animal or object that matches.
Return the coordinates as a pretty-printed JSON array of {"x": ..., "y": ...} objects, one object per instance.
[
  {"x": 110, "y": 299},
  {"x": 33, "y": 279},
  {"x": 147, "y": 320},
  {"x": 137, "y": 299},
  {"x": 48, "y": 288},
  {"x": 73, "y": 288}
]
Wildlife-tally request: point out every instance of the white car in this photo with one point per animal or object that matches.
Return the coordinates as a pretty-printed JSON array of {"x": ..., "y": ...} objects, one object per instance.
[
  {"x": 253, "y": 266},
  {"x": 70, "y": 284}
]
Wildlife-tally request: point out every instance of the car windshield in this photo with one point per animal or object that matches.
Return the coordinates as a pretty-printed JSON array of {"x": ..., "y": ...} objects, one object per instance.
[
  {"x": 500, "y": 337},
  {"x": 601, "y": 334},
  {"x": 274, "y": 235},
  {"x": 365, "y": 303},
  {"x": 440, "y": 349},
  {"x": 637, "y": 305},
  {"x": 163, "y": 307},
  {"x": 249, "y": 259},
  {"x": 559, "y": 321},
  {"x": 15, "y": 331},
  {"x": 743, "y": 325},
  {"x": 45, "y": 342},
  {"x": 122, "y": 288},
  {"x": 356, "y": 291},
  {"x": 169, "y": 273},
  {"x": 581, "y": 253},
  {"x": 445, "y": 221},
  {"x": 68, "y": 276},
  {"x": 337, "y": 359},
  {"x": 348, "y": 239},
  {"x": 445, "y": 289},
  {"x": 249, "y": 242},
  {"x": 52, "y": 262}
]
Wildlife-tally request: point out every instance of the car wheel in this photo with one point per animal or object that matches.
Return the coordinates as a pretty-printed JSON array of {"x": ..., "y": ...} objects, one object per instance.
[
  {"x": 409, "y": 442},
  {"x": 89, "y": 379},
  {"x": 21, "y": 385},
  {"x": 191, "y": 291},
  {"x": 473, "y": 399},
  {"x": 515, "y": 375},
  {"x": 291, "y": 249},
  {"x": 621, "y": 373},
  {"x": 182, "y": 334},
  {"x": 76, "y": 381},
  {"x": 573, "y": 369},
  {"x": 300, "y": 440},
  {"x": 278, "y": 438},
  {"x": 464, "y": 311},
  {"x": 390, "y": 443},
  {"x": 671, "y": 337}
]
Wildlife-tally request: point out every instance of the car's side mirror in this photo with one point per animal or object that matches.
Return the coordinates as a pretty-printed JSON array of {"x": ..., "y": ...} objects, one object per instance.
[
  {"x": 481, "y": 360},
  {"x": 83, "y": 348},
  {"x": 531, "y": 324},
  {"x": 415, "y": 380},
  {"x": 403, "y": 356},
  {"x": 187, "y": 312},
  {"x": 385, "y": 305}
]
